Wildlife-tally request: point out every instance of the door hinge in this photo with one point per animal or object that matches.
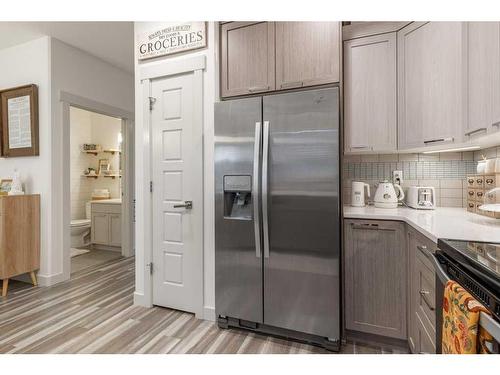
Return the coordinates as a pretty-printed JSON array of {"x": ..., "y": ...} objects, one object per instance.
[
  {"x": 152, "y": 101},
  {"x": 150, "y": 266},
  {"x": 150, "y": 186}
]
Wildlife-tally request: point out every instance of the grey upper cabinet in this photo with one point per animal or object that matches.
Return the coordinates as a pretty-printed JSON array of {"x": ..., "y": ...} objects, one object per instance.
[
  {"x": 307, "y": 53},
  {"x": 247, "y": 58},
  {"x": 483, "y": 57},
  {"x": 432, "y": 75},
  {"x": 370, "y": 93},
  {"x": 375, "y": 277}
]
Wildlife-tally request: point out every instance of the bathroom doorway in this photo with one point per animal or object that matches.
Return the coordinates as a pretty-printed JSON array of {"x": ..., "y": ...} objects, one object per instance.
[{"x": 97, "y": 167}]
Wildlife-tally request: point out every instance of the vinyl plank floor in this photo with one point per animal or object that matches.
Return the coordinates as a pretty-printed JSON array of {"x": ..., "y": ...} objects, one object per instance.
[{"x": 94, "y": 313}]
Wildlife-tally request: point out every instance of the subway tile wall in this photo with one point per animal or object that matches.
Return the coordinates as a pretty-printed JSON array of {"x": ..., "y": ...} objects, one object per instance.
[{"x": 445, "y": 171}]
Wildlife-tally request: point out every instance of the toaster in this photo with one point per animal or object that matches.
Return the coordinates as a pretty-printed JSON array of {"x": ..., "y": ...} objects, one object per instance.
[{"x": 421, "y": 197}]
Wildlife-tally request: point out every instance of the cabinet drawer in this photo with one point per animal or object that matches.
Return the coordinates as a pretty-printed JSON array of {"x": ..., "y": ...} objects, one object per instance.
[
  {"x": 471, "y": 206},
  {"x": 425, "y": 289},
  {"x": 471, "y": 194},
  {"x": 479, "y": 182},
  {"x": 471, "y": 181},
  {"x": 479, "y": 195},
  {"x": 426, "y": 341},
  {"x": 107, "y": 208}
]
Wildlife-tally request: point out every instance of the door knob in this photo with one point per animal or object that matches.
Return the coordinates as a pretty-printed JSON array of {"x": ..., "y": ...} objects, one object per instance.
[{"x": 187, "y": 205}]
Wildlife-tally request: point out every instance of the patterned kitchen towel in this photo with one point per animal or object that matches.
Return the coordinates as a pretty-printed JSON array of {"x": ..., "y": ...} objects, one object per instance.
[{"x": 461, "y": 322}]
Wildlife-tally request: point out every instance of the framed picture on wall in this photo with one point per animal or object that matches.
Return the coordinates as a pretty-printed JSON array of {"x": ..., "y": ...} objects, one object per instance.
[{"x": 19, "y": 121}]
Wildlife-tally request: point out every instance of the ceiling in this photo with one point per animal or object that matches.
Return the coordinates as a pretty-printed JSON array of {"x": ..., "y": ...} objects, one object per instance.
[{"x": 112, "y": 42}]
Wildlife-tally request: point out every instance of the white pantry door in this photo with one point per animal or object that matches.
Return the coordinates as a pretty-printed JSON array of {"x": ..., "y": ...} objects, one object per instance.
[{"x": 177, "y": 178}]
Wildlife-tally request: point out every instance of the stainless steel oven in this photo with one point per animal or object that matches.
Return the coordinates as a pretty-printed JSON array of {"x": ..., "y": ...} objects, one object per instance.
[{"x": 476, "y": 267}]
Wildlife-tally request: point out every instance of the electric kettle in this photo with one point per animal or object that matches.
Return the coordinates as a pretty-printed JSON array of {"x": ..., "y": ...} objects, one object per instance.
[
  {"x": 386, "y": 196},
  {"x": 358, "y": 198}
]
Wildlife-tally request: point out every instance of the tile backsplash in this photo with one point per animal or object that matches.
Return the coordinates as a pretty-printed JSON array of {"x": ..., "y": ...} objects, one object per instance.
[{"x": 445, "y": 171}]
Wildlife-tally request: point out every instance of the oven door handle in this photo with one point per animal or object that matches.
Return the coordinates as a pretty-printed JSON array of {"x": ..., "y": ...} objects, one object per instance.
[{"x": 440, "y": 273}]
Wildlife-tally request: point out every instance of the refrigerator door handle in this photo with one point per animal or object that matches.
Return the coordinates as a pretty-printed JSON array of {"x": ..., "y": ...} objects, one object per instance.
[
  {"x": 265, "y": 157},
  {"x": 255, "y": 189}
]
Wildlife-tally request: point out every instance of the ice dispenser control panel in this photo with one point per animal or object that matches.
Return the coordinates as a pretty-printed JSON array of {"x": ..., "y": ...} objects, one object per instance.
[{"x": 238, "y": 197}]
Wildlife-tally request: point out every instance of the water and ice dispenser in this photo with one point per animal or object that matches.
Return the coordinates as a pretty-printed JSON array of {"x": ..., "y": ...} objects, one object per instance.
[{"x": 238, "y": 197}]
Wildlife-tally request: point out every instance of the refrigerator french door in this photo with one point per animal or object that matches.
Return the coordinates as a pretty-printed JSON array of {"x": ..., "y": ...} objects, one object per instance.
[{"x": 277, "y": 214}]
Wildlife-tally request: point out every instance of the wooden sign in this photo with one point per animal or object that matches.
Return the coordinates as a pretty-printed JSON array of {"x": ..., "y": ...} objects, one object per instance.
[
  {"x": 19, "y": 120},
  {"x": 172, "y": 39}
]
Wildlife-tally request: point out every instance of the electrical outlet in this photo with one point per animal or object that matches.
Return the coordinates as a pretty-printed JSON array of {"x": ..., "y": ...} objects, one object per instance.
[{"x": 397, "y": 177}]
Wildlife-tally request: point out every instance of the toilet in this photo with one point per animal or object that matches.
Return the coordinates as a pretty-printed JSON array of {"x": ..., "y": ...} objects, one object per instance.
[{"x": 80, "y": 229}]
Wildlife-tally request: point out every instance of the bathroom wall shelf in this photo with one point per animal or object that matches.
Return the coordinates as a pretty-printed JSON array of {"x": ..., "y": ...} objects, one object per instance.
[
  {"x": 102, "y": 175},
  {"x": 91, "y": 152},
  {"x": 112, "y": 151}
]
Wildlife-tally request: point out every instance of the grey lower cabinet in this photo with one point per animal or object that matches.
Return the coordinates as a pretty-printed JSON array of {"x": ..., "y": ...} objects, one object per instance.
[
  {"x": 375, "y": 277},
  {"x": 422, "y": 306}
]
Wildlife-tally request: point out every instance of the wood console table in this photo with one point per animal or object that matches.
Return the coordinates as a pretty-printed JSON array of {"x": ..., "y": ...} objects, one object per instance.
[{"x": 19, "y": 237}]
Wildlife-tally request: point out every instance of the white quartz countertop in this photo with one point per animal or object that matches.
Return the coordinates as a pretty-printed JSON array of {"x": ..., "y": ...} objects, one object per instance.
[
  {"x": 108, "y": 201},
  {"x": 443, "y": 222}
]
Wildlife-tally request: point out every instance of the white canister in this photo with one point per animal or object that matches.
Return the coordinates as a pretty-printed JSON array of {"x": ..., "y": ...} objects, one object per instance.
[
  {"x": 489, "y": 166},
  {"x": 481, "y": 166}
]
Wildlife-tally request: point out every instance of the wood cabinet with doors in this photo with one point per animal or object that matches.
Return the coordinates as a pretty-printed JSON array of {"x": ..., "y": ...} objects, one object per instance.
[
  {"x": 483, "y": 59},
  {"x": 106, "y": 224},
  {"x": 370, "y": 117},
  {"x": 19, "y": 237},
  {"x": 375, "y": 277},
  {"x": 422, "y": 299},
  {"x": 307, "y": 54},
  {"x": 247, "y": 58},
  {"x": 258, "y": 57},
  {"x": 432, "y": 73}
]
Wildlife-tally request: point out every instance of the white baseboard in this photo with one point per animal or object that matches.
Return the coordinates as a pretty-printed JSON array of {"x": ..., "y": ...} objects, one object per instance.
[
  {"x": 209, "y": 313},
  {"x": 48, "y": 280},
  {"x": 141, "y": 300}
]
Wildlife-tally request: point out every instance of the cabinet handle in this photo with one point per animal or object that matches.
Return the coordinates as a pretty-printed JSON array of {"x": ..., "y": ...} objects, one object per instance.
[
  {"x": 258, "y": 88},
  {"x": 475, "y": 131},
  {"x": 365, "y": 226},
  {"x": 470, "y": 181},
  {"x": 479, "y": 193},
  {"x": 450, "y": 139},
  {"x": 471, "y": 193},
  {"x": 424, "y": 293},
  {"x": 479, "y": 180},
  {"x": 289, "y": 85},
  {"x": 471, "y": 205},
  {"x": 360, "y": 147},
  {"x": 489, "y": 181}
]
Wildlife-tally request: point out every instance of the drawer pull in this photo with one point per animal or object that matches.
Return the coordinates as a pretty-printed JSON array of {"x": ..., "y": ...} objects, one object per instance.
[
  {"x": 471, "y": 193},
  {"x": 258, "y": 88},
  {"x": 489, "y": 181},
  {"x": 479, "y": 193},
  {"x": 479, "y": 180},
  {"x": 470, "y": 181},
  {"x": 471, "y": 205},
  {"x": 365, "y": 226},
  {"x": 424, "y": 293}
]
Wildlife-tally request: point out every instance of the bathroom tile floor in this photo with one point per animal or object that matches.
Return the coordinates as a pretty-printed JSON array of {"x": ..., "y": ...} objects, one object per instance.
[
  {"x": 93, "y": 258},
  {"x": 94, "y": 313}
]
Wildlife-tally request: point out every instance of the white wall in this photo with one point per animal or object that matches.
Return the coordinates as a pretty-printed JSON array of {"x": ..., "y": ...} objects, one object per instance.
[
  {"x": 143, "y": 292},
  {"x": 90, "y": 127},
  {"x": 21, "y": 65},
  {"x": 81, "y": 188},
  {"x": 75, "y": 72}
]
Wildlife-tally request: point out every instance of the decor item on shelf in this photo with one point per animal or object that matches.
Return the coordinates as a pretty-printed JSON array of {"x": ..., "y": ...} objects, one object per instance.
[
  {"x": 17, "y": 185},
  {"x": 19, "y": 121},
  {"x": 489, "y": 166},
  {"x": 99, "y": 194},
  {"x": 103, "y": 166},
  {"x": 90, "y": 172},
  {"x": 5, "y": 186},
  {"x": 91, "y": 147}
]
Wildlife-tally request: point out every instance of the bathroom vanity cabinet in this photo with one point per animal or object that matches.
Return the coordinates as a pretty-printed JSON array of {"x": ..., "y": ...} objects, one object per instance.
[{"x": 106, "y": 224}]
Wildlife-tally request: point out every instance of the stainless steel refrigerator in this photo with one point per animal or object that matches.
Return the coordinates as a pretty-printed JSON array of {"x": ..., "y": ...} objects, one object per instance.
[{"x": 277, "y": 215}]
